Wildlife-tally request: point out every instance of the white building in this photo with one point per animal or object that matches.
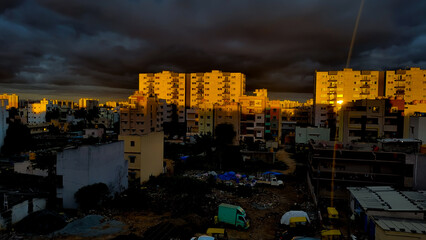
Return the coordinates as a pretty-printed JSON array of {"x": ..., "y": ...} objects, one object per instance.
[
  {"x": 303, "y": 135},
  {"x": 37, "y": 111},
  {"x": 418, "y": 128},
  {"x": 88, "y": 165},
  {"x": 4, "y": 114}
]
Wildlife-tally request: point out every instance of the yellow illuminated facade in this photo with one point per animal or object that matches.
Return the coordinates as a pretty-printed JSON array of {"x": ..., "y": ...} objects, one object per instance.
[
  {"x": 141, "y": 129},
  {"x": 144, "y": 154},
  {"x": 215, "y": 87},
  {"x": 88, "y": 103},
  {"x": 407, "y": 84},
  {"x": 13, "y": 100},
  {"x": 143, "y": 115},
  {"x": 334, "y": 88},
  {"x": 166, "y": 85}
]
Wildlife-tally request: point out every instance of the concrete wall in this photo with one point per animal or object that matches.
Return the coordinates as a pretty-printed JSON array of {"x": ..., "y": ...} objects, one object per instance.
[
  {"x": 393, "y": 235},
  {"x": 418, "y": 128},
  {"x": 21, "y": 210},
  {"x": 394, "y": 214},
  {"x": 303, "y": 135},
  {"x": 4, "y": 114},
  {"x": 88, "y": 165},
  {"x": 25, "y": 167},
  {"x": 419, "y": 172}
]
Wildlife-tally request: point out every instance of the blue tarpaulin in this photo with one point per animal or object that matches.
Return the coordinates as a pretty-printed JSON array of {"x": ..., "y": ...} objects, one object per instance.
[
  {"x": 227, "y": 176},
  {"x": 273, "y": 173}
]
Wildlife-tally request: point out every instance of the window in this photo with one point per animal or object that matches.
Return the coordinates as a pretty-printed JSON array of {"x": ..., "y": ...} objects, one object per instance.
[
  {"x": 375, "y": 109},
  {"x": 132, "y": 159},
  {"x": 132, "y": 143}
]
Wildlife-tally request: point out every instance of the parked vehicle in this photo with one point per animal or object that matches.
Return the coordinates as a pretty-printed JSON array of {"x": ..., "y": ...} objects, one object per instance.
[
  {"x": 333, "y": 234},
  {"x": 231, "y": 214},
  {"x": 273, "y": 181},
  {"x": 203, "y": 238},
  {"x": 218, "y": 233}
]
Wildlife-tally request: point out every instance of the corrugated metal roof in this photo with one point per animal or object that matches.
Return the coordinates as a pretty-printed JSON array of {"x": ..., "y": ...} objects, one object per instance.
[
  {"x": 388, "y": 199},
  {"x": 401, "y": 225}
]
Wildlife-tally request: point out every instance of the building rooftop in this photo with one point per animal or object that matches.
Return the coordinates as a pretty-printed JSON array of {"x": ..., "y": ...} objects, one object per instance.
[
  {"x": 399, "y": 140},
  {"x": 388, "y": 199},
  {"x": 401, "y": 225}
]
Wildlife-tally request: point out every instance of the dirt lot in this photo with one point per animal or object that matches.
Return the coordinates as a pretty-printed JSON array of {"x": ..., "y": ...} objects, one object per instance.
[{"x": 264, "y": 209}]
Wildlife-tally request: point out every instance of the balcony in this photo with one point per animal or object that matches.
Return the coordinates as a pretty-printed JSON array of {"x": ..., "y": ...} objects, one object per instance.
[
  {"x": 226, "y": 80},
  {"x": 332, "y": 93},
  {"x": 365, "y": 86},
  {"x": 332, "y": 80},
  {"x": 332, "y": 86},
  {"x": 365, "y": 80},
  {"x": 399, "y": 86},
  {"x": 364, "y": 93}
]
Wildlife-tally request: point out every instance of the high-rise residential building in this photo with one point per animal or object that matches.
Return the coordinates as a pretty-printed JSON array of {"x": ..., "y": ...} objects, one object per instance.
[
  {"x": 4, "y": 114},
  {"x": 63, "y": 104},
  {"x": 409, "y": 84},
  {"x": 88, "y": 103},
  {"x": 253, "y": 115},
  {"x": 166, "y": 85},
  {"x": 215, "y": 87},
  {"x": 13, "y": 100},
  {"x": 334, "y": 88}
]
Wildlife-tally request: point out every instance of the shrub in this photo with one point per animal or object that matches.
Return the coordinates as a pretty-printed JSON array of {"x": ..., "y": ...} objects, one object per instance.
[{"x": 92, "y": 196}]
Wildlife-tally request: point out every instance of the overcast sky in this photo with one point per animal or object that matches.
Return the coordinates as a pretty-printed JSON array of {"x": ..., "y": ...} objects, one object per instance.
[{"x": 97, "y": 48}]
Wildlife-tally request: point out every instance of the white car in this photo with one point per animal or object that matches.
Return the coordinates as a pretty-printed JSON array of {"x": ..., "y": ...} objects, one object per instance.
[{"x": 203, "y": 238}]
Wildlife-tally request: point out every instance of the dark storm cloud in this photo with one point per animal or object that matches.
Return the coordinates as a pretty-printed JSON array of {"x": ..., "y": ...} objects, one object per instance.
[{"x": 277, "y": 44}]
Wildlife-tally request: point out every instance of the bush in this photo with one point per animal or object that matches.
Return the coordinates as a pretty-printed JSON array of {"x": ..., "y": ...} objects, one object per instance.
[{"x": 92, "y": 196}]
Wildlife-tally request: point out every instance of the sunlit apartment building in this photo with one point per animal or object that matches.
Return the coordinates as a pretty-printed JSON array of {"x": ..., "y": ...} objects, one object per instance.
[
  {"x": 37, "y": 111},
  {"x": 215, "y": 87},
  {"x": 13, "y": 100},
  {"x": 166, "y": 85},
  {"x": 408, "y": 84},
  {"x": 88, "y": 103},
  {"x": 334, "y": 88}
]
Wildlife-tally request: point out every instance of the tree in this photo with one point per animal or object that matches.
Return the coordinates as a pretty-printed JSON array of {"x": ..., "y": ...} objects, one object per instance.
[
  {"x": 92, "y": 196},
  {"x": 224, "y": 134},
  {"x": 18, "y": 139},
  {"x": 53, "y": 114}
]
